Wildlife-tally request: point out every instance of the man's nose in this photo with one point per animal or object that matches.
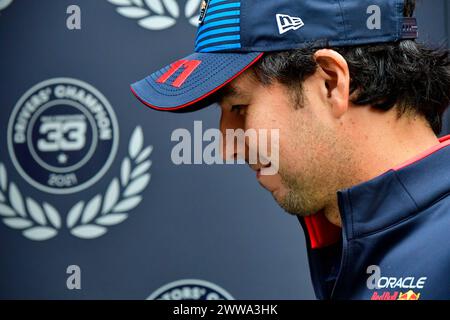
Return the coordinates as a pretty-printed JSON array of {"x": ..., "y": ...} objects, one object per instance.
[{"x": 232, "y": 152}]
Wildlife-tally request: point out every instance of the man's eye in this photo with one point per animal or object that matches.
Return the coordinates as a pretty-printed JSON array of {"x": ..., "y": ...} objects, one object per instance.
[{"x": 239, "y": 109}]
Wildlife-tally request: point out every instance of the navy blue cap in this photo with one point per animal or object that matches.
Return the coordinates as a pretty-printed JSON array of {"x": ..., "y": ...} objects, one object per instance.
[{"x": 234, "y": 34}]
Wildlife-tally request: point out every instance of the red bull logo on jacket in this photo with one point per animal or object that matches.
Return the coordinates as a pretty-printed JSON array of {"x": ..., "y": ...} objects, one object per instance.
[{"x": 377, "y": 281}]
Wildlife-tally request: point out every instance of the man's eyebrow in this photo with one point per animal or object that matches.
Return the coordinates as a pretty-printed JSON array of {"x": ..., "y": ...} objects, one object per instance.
[{"x": 230, "y": 91}]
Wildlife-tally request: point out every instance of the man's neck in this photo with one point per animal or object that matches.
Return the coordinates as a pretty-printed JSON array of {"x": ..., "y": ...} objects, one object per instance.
[{"x": 382, "y": 142}]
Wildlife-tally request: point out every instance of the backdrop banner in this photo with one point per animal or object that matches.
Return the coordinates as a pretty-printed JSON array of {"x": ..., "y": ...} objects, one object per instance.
[{"x": 91, "y": 204}]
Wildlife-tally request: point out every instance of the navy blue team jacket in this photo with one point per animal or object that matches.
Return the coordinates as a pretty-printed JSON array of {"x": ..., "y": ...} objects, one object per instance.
[{"x": 395, "y": 238}]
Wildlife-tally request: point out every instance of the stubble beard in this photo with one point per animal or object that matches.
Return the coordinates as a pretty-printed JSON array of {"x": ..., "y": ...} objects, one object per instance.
[{"x": 299, "y": 199}]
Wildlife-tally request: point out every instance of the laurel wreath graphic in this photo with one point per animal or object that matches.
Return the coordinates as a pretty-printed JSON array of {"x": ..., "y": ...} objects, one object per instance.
[
  {"x": 157, "y": 14},
  {"x": 85, "y": 220},
  {"x": 4, "y": 3}
]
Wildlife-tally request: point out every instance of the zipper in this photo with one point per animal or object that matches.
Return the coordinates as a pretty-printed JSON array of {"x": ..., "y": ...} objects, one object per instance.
[{"x": 342, "y": 197}]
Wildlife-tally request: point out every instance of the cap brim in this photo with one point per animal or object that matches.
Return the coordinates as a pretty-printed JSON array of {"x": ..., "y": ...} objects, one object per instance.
[{"x": 191, "y": 80}]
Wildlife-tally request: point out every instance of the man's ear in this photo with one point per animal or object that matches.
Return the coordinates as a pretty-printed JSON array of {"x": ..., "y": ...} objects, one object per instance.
[{"x": 334, "y": 72}]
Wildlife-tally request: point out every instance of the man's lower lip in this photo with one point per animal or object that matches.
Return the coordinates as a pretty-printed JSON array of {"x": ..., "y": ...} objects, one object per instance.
[{"x": 258, "y": 174}]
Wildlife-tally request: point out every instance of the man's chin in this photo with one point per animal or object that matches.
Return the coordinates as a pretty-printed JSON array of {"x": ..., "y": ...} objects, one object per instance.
[
  {"x": 280, "y": 199},
  {"x": 282, "y": 195},
  {"x": 273, "y": 184},
  {"x": 292, "y": 205},
  {"x": 277, "y": 193}
]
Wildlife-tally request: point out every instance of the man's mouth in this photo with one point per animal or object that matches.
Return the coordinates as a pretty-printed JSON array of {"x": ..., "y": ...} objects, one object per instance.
[
  {"x": 258, "y": 174},
  {"x": 258, "y": 168}
]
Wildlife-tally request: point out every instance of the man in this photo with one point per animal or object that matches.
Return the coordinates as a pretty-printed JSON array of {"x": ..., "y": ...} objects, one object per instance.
[{"x": 359, "y": 104}]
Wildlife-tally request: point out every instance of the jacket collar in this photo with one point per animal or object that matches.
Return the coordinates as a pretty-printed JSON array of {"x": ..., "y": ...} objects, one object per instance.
[
  {"x": 386, "y": 199},
  {"x": 397, "y": 194}
]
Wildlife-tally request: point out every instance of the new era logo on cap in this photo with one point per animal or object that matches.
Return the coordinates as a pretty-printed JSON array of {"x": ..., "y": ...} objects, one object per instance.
[{"x": 287, "y": 23}]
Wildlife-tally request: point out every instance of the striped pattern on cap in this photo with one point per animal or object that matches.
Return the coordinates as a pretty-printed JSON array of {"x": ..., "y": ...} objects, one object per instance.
[{"x": 221, "y": 28}]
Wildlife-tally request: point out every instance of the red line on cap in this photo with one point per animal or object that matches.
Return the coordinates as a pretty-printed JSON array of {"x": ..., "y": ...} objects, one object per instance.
[{"x": 202, "y": 97}]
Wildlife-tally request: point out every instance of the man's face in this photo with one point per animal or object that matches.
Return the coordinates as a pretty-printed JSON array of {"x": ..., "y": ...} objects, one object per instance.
[{"x": 310, "y": 150}]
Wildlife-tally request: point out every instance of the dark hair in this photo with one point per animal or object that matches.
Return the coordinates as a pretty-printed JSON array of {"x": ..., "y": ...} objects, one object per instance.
[{"x": 407, "y": 74}]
